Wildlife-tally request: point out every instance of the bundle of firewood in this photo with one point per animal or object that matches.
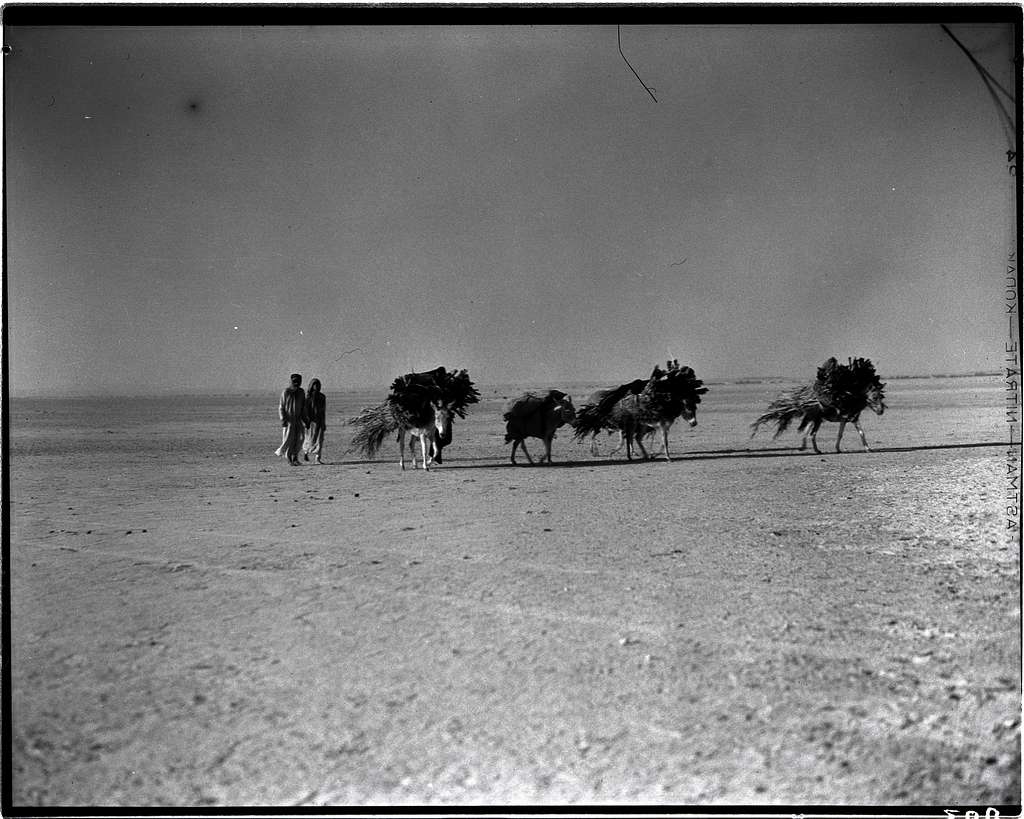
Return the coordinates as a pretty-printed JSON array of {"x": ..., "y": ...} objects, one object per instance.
[
  {"x": 453, "y": 389},
  {"x": 843, "y": 385}
]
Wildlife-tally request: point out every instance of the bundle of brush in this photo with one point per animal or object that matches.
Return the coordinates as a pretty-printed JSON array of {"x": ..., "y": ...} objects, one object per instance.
[
  {"x": 663, "y": 397},
  {"x": 844, "y": 387},
  {"x": 373, "y": 425},
  {"x": 787, "y": 407},
  {"x": 453, "y": 389},
  {"x": 457, "y": 390},
  {"x": 596, "y": 415}
]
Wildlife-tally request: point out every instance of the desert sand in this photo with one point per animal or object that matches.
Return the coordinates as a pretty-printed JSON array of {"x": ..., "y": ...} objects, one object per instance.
[{"x": 195, "y": 623}]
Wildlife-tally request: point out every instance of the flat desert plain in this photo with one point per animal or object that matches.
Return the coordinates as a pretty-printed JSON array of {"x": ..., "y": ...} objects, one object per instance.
[{"x": 195, "y": 623}]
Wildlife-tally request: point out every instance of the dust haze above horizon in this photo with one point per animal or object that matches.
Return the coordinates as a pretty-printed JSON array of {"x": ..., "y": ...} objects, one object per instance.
[{"x": 214, "y": 207}]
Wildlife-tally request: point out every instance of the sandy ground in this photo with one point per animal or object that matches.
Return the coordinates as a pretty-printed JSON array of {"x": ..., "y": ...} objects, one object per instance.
[{"x": 195, "y": 623}]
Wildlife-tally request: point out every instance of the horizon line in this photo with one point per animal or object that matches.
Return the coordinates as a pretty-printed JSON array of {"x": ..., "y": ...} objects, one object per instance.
[{"x": 246, "y": 391}]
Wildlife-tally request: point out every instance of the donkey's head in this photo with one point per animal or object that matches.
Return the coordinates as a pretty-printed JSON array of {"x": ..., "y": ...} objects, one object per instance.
[
  {"x": 689, "y": 388},
  {"x": 876, "y": 398},
  {"x": 689, "y": 410},
  {"x": 443, "y": 415},
  {"x": 860, "y": 377},
  {"x": 563, "y": 411}
]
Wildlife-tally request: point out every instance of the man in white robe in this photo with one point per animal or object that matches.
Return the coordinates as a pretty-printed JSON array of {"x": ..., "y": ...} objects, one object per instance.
[{"x": 291, "y": 411}]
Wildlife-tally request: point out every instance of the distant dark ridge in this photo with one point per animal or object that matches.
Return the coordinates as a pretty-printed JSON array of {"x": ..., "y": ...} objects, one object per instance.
[
  {"x": 900, "y": 377},
  {"x": 764, "y": 379},
  {"x": 975, "y": 374},
  {"x": 273, "y": 392},
  {"x": 775, "y": 379}
]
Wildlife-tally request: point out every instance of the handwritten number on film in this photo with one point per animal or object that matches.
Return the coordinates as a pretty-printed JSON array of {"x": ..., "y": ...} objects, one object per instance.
[
  {"x": 990, "y": 813},
  {"x": 1010, "y": 157}
]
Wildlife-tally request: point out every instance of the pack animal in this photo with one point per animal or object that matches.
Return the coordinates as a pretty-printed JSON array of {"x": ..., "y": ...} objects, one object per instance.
[
  {"x": 419, "y": 407},
  {"x": 430, "y": 425},
  {"x": 537, "y": 415},
  {"x": 646, "y": 406},
  {"x": 840, "y": 393}
]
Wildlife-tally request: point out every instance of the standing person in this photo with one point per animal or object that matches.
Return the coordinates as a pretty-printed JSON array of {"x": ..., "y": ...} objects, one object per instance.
[
  {"x": 316, "y": 421},
  {"x": 293, "y": 403}
]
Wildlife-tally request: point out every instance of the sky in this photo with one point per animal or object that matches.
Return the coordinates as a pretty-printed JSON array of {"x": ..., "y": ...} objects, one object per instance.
[{"x": 210, "y": 208}]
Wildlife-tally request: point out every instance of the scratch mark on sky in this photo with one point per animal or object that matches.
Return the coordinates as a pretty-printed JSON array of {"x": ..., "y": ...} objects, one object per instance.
[{"x": 647, "y": 88}]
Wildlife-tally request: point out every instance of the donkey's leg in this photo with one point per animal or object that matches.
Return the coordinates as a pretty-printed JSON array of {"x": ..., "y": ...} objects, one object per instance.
[
  {"x": 435, "y": 448},
  {"x": 664, "y": 435},
  {"x": 522, "y": 443},
  {"x": 863, "y": 439},
  {"x": 662, "y": 446},
  {"x": 804, "y": 427},
  {"x": 814, "y": 434},
  {"x": 423, "y": 449},
  {"x": 622, "y": 442},
  {"x": 401, "y": 449},
  {"x": 640, "y": 443},
  {"x": 547, "y": 448},
  {"x": 839, "y": 437}
]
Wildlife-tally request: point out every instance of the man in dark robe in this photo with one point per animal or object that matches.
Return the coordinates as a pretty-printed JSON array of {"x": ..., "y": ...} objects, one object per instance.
[{"x": 316, "y": 421}]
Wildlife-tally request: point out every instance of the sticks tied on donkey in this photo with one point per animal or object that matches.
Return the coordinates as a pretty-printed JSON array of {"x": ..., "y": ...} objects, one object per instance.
[
  {"x": 839, "y": 393},
  {"x": 537, "y": 415},
  {"x": 422, "y": 405},
  {"x": 643, "y": 406}
]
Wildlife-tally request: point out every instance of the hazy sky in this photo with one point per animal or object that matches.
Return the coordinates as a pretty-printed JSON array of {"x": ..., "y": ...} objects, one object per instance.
[{"x": 214, "y": 207}]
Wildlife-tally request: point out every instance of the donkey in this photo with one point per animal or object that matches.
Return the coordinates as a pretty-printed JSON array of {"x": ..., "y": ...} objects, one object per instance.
[
  {"x": 644, "y": 406},
  {"x": 666, "y": 397},
  {"x": 434, "y": 424},
  {"x": 537, "y": 415},
  {"x": 588, "y": 422},
  {"x": 815, "y": 414},
  {"x": 421, "y": 405},
  {"x": 840, "y": 393}
]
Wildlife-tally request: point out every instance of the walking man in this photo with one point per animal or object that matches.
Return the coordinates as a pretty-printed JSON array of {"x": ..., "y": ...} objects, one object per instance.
[
  {"x": 316, "y": 421},
  {"x": 291, "y": 410}
]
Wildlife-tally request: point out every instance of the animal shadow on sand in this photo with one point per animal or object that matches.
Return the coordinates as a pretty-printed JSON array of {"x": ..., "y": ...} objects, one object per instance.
[
  {"x": 782, "y": 452},
  {"x": 710, "y": 455},
  {"x": 486, "y": 462}
]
